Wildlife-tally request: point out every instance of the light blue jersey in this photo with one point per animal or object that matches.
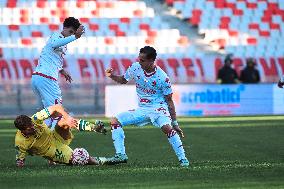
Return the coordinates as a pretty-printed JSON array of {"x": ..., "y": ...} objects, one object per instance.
[
  {"x": 150, "y": 87},
  {"x": 45, "y": 76},
  {"x": 51, "y": 58}
]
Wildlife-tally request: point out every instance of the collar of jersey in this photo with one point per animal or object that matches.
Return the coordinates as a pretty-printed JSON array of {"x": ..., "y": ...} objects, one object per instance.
[{"x": 150, "y": 74}]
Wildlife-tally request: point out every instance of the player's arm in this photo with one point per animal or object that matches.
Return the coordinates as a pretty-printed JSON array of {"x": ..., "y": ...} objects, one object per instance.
[
  {"x": 55, "y": 110},
  {"x": 66, "y": 75},
  {"x": 117, "y": 78},
  {"x": 172, "y": 111},
  {"x": 171, "y": 106},
  {"x": 66, "y": 120},
  {"x": 58, "y": 42},
  {"x": 20, "y": 156}
]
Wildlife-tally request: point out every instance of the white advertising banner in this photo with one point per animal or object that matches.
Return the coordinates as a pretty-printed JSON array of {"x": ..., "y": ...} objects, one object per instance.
[{"x": 206, "y": 100}]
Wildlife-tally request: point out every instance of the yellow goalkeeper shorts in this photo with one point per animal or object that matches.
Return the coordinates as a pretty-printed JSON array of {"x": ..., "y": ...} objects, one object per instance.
[{"x": 59, "y": 150}]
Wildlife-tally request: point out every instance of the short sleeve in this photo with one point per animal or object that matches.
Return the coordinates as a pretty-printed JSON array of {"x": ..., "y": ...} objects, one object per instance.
[
  {"x": 40, "y": 116},
  {"x": 166, "y": 86},
  {"x": 129, "y": 74}
]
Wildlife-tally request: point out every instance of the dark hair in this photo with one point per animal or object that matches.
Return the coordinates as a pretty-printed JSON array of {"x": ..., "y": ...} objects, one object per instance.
[
  {"x": 71, "y": 22},
  {"x": 251, "y": 61},
  {"x": 150, "y": 52},
  {"x": 228, "y": 59},
  {"x": 22, "y": 121}
]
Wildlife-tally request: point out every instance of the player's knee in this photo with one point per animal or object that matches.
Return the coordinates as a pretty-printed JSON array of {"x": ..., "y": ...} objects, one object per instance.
[{"x": 114, "y": 123}]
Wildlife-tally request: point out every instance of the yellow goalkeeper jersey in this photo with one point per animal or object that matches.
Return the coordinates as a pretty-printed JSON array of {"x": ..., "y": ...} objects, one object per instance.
[{"x": 37, "y": 144}]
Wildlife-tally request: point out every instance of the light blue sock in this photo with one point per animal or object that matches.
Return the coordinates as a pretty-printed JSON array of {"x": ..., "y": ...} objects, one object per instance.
[
  {"x": 118, "y": 138},
  {"x": 176, "y": 143}
]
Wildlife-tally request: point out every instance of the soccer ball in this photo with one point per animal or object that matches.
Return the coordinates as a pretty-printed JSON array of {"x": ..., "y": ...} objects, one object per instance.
[{"x": 80, "y": 156}]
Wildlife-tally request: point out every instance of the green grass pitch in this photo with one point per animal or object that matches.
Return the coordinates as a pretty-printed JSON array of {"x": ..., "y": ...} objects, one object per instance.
[{"x": 226, "y": 152}]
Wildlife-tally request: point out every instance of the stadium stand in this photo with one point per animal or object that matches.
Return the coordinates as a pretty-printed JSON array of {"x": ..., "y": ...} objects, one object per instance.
[
  {"x": 116, "y": 30},
  {"x": 115, "y": 27},
  {"x": 250, "y": 28}
]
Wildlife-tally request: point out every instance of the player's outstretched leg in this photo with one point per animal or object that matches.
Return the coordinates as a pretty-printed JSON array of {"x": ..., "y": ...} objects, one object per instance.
[
  {"x": 118, "y": 141},
  {"x": 98, "y": 126},
  {"x": 176, "y": 144}
]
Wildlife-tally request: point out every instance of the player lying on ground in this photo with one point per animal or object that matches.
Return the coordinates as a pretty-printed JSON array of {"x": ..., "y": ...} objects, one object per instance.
[
  {"x": 156, "y": 106},
  {"x": 35, "y": 138}
]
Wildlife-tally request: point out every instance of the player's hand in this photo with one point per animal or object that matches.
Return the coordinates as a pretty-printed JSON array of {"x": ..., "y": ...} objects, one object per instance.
[
  {"x": 109, "y": 72},
  {"x": 79, "y": 32},
  {"x": 280, "y": 84},
  {"x": 71, "y": 122},
  {"x": 68, "y": 122},
  {"x": 68, "y": 77},
  {"x": 177, "y": 128},
  {"x": 179, "y": 131}
]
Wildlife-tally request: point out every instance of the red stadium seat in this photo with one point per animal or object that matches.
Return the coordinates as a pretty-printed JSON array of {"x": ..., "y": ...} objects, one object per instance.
[
  {"x": 238, "y": 12},
  {"x": 125, "y": 20},
  {"x": 14, "y": 27},
  {"x": 84, "y": 20},
  {"x": 61, "y": 3},
  {"x": 109, "y": 4},
  {"x": 144, "y": 26},
  {"x": 274, "y": 26},
  {"x": 94, "y": 27},
  {"x": 233, "y": 33},
  {"x": 80, "y": 3},
  {"x": 264, "y": 33},
  {"x": 41, "y": 3},
  {"x": 152, "y": 33},
  {"x": 251, "y": 5},
  {"x": 95, "y": 13},
  {"x": 113, "y": 27},
  {"x": 26, "y": 41},
  {"x": 253, "y": 26},
  {"x": 108, "y": 41},
  {"x": 252, "y": 41},
  {"x": 36, "y": 34},
  {"x": 138, "y": 13},
  {"x": 230, "y": 5},
  {"x": 44, "y": 20},
  {"x": 119, "y": 33},
  {"x": 11, "y": 3},
  {"x": 53, "y": 27}
]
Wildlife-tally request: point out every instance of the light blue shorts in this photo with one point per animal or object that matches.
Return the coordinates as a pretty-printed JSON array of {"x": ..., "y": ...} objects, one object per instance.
[
  {"x": 142, "y": 116},
  {"x": 47, "y": 90}
]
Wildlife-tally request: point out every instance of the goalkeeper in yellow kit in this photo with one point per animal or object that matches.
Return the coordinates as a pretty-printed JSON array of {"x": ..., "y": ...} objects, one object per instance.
[{"x": 35, "y": 138}]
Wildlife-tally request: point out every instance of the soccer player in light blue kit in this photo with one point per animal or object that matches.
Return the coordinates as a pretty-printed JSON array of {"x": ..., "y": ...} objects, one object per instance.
[
  {"x": 156, "y": 106},
  {"x": 50, "y": 64}
]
